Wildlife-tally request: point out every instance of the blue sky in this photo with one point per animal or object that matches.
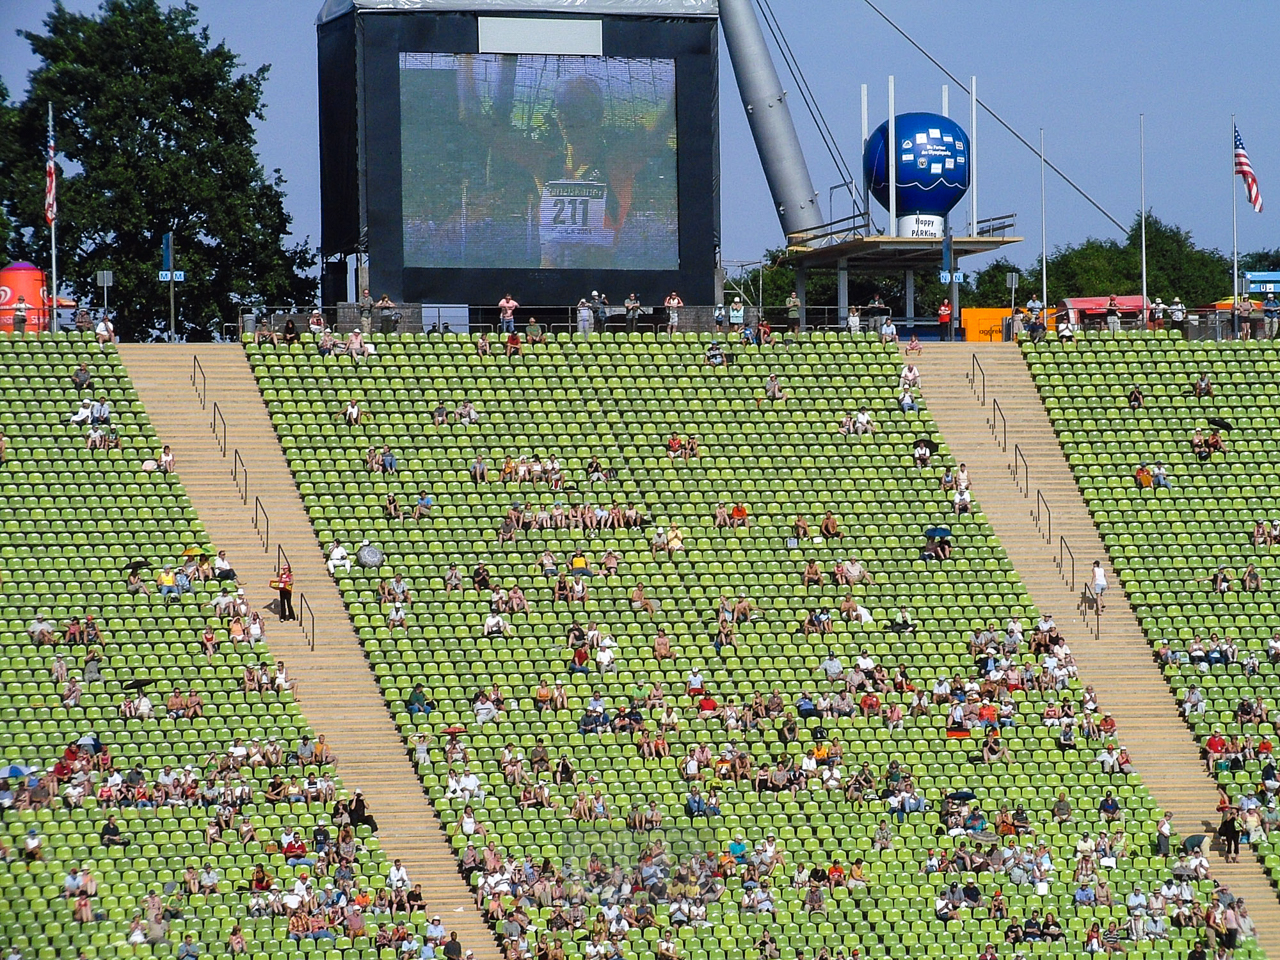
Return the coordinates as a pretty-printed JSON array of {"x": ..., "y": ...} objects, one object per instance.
[{"x": 1082, "y": 70}]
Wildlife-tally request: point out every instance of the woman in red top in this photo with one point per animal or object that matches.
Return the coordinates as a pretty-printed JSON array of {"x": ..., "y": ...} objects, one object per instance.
[{"x": 285, "y": 581}]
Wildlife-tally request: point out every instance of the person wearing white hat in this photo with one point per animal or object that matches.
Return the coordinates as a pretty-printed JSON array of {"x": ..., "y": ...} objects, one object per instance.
[{"x": 83, "y": 413}]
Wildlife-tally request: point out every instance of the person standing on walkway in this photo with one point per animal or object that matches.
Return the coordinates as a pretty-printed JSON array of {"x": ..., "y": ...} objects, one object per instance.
[
  {"x": 284, "y": 584},
  {"x": 1229, "y": 834},
  {"x": 1164, "y": 829},
  {"x": 507, "y": 307},
  {"x": 1113, "y": 314},
  {"x": 1099, "y": 584},
  {"x": 944, "y": 321},
  {"x": 365, "y": 305}
]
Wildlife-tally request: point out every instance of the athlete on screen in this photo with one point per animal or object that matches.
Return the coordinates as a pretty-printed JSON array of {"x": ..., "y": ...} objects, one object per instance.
[{"x": 581, "y": 169}]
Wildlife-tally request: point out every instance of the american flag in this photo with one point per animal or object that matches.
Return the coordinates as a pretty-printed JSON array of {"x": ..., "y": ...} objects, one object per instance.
[
  {"x": 51, "y": 180},
  {"x": 1245, "y": 169}
]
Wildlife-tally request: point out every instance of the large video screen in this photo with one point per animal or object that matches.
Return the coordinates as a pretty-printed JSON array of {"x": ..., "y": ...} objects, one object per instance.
[{"x": 547, "y": 161}]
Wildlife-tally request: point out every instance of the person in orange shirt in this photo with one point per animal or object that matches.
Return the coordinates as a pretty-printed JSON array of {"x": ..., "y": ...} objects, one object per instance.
[{"x": 738, "y": 516}]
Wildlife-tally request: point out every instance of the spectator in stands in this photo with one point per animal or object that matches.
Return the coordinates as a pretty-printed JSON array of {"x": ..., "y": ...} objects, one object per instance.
[
  {"x": 1203, "y": 386},
  {"x": 923, "y": 453},
  {"x": 41, "y": 629},
  {"x": 888, "y": 331},
  {"x": 772, "y": 390},
  {"x": 339, "y": 558},
  {"x": 479, "y": 470},
  {"x": 830, "y": 528},
  {"x": 1137, "y": 400},
  {"x": 222, "y": 569}
]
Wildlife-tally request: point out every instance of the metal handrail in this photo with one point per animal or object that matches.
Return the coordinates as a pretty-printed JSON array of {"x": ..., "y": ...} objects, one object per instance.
[
  {"x": 1003, "y": 437},
  {"x": 975, "y": 368},
  {"x": 264, "y": 531},
  {"x": 1089, "y": 599},
  {"x": 1023, "y": 478},
  {"x": 282, "y": 559},
  {"x": 202, "y": 388},
  {"x": 304, "y": 607},
  {"x": 1064, "y": 550},
  {"x": 1048, "y": 516},
  {"x": 239, "y": 472},
  {"x": 217, "y": 416}
]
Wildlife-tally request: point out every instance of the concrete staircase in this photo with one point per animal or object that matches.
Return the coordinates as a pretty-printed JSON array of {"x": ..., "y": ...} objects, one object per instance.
[
  {"x": 337, "y": 690},
  {"x": 1117, "y": 659}
]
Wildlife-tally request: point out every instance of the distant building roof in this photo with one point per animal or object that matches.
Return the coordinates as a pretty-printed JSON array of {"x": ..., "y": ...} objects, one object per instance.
[{"x": 332, "y": 9}]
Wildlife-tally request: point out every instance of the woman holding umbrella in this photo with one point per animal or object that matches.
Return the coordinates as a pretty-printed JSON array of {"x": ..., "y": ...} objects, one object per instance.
[{"x": 284, "y": 584}]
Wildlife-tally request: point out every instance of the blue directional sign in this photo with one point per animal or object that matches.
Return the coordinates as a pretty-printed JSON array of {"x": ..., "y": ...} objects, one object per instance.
[
  {"x": 164, "y": 276},
  {"x": 179, "y": 276}
]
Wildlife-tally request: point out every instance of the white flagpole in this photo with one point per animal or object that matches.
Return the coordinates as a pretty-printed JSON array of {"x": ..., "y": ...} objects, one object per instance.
[
  {"x": 51, "y": 313},
  {"x": 1235, "y": 252},
  {"x": 1142, "y": 167}
]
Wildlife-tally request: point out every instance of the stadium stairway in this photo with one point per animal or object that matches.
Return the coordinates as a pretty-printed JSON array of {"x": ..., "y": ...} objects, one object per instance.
[
  {"x": 337, "y": 690},
  {"x": 1118, "y": 663}
]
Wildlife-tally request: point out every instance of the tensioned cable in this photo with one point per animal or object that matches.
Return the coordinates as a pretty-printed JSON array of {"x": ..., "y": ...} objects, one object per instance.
[
  {"x": 999, "y": 119},
  {"x": 806, "y": 94}
]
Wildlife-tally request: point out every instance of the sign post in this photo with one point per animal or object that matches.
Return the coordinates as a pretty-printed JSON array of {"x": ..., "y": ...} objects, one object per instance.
[
  {"x": 1011, "y": 281},
  {"x": 167, "y": 274},
  {"x": 104, "y": 279}
]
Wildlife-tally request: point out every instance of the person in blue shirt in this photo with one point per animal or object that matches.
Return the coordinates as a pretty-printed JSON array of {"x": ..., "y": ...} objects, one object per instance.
[
  {"x": 423, "y": 505},
  {"x": 388, "y": 459},
  {"x": 805, "y": 707},
  {"x": 738, "y": 849},
  {"x": 1271, "y": 315}
]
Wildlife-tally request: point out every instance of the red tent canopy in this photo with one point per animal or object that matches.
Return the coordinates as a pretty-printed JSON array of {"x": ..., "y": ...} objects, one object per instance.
[{"x": 1097, "y": 306}]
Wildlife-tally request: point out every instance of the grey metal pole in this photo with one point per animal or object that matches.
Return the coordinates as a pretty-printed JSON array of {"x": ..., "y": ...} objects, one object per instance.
[
  {"x": 866, "y": 187},
  {"x": 973, "y": 157},
  {"x": 946, "y": 101},
  {"x": 842, "y": 289},
  {"x": 769, "y": 117},
  {"x": 173, "y": 265},
  {"x": 1044, "y": 233},
  {"x": 890, "y": 159}
]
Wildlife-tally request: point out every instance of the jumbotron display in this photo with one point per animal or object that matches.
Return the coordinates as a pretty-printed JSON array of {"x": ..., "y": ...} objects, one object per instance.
[
  {"x": 538, "y": 161},
  {"x": 545, "y": 148}
]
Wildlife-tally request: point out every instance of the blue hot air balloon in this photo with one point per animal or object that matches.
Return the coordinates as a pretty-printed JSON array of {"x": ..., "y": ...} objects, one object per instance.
[{"x": 932, "y": 171}]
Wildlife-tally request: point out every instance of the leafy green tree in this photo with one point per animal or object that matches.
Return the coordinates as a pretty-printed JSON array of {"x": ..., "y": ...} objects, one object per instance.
[
  {"x": 155, "y": 129},
  {"x": 8, "y": 148}
]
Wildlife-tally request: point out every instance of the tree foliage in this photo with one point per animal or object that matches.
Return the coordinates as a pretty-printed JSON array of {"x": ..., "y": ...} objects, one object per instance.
[{"x": 155, "y": 130}]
